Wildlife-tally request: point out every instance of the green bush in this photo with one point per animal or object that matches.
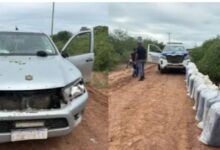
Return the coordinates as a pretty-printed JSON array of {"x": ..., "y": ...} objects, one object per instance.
[
  {"x": 207, "y": 59},
  {"x": 61, "y": 38},
  {"x": 102, "y": 48},
  {"x": 123, "y": 45}
]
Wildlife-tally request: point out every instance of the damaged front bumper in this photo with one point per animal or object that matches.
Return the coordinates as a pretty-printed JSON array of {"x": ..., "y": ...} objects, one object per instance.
[{"x": 57, "y": 121}]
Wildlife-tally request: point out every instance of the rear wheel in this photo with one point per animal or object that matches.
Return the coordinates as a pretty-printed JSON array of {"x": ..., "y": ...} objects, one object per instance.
[
  {"x": 184, "y": 70},
  {"x": 160, "y": 69}
]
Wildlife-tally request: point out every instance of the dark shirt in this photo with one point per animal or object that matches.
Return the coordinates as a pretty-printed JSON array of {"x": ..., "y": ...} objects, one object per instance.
[{"x": 141, "y": 53}]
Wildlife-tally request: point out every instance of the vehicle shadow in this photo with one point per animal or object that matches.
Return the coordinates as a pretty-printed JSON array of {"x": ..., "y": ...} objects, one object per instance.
[{"x": 175, "y": 72}]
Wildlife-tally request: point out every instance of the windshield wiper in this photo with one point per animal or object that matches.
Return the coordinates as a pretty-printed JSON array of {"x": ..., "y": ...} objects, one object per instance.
[{"x": 41, "y": 54}]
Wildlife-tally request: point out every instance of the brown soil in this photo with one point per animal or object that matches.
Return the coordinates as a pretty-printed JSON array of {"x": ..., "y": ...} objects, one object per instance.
[
  {"x": 99, "y": 80},
  {"x": 154, "y": 114},
  {"x": 91, "y": 134}
]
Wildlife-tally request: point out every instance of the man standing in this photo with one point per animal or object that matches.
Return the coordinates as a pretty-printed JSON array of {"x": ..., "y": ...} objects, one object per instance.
[{"x": 141, "y": 58}]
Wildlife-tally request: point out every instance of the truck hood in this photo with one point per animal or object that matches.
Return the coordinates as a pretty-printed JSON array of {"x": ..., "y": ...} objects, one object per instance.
[
  {"x": 34, "y": 73},
  {"x": 174, "y": 53}
]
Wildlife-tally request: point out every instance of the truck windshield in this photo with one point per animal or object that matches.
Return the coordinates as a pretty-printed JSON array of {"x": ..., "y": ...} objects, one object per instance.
[
  {"x": 174, "y": 48},
  {"x": 15, "y": 43}
]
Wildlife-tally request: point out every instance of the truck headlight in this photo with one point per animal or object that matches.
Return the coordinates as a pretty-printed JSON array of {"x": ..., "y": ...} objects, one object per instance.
[
  {"x": 163, "y": 57},
  {"x": 73, "y": 90}
]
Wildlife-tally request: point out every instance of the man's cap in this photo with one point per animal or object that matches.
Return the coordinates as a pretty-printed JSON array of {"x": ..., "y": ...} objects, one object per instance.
[{"x": 139, "y": 40}]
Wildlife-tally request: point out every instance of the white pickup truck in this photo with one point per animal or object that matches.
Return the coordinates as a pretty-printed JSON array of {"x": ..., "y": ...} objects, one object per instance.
[
  {"x": 42, "y": 91},
  {"x": 173, "y": 56}
]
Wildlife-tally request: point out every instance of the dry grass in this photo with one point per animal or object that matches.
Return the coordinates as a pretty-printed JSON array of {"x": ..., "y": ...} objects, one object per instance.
[{"x": 100, "y": 80}]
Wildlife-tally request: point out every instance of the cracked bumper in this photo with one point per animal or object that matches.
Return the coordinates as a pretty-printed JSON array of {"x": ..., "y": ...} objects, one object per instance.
[{"x": 69, "y": 112}]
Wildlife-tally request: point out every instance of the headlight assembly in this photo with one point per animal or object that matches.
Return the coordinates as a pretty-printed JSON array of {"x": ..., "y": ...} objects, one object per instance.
[
  {"x": 163, "y": 57},
  {"x": 74, "y": 90}
]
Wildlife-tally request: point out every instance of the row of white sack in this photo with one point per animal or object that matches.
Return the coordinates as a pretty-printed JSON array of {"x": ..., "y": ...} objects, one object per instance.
[{"x": 206, "y": 96}]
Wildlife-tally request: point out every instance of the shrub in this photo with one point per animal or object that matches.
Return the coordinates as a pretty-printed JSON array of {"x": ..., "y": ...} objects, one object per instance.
[
  {"x": 207, "y": 59},
  {"x": 123, "y": 44}
]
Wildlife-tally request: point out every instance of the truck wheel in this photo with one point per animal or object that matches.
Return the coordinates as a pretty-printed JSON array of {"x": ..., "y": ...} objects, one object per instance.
[
  {"x": 160, "y": 69},
  {"x": 158, "y": 66}
]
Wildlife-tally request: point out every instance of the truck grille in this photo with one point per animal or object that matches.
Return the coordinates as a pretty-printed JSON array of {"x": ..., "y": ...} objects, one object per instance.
[
  {"x": 7, "y": 126},
  {"x": 36, "y": 99},
  {"x": 175, "y": 59}
]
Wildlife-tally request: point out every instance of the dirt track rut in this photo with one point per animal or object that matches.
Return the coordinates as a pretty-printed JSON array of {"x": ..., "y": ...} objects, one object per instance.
[{"x": 155, "y": 114}]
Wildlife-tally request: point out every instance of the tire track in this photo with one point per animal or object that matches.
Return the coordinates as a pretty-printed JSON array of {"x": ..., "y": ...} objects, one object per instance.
[{"x": 151, "y": 115}]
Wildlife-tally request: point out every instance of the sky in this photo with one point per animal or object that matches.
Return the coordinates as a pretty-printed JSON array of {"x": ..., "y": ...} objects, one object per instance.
[
  {"x": 37, "y": 16},
  {"x": 190, "y": 23}
]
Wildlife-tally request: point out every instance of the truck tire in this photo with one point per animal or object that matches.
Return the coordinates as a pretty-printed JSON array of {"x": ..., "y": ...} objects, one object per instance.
[{"x": 160, "y": 69}]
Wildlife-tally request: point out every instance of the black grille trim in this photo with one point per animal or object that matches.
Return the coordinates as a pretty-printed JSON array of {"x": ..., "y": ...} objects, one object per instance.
[
  {"x": 35, "y": 99},
  {"x": 175, "y": 59}
]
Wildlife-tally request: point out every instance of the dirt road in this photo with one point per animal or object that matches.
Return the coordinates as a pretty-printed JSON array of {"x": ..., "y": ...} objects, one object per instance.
[
  {"x": 155, "y": 114},
  {"x": 91, "y": 134}
]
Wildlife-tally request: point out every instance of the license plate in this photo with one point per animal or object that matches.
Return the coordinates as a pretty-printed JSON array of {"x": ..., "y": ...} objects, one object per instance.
[{"x": 29, "y": 134}]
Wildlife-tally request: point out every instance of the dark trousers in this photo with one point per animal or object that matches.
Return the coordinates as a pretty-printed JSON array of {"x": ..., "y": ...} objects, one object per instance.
[
  {"x": 140, "y": 64},
  {"x": 135, "y": 70}
]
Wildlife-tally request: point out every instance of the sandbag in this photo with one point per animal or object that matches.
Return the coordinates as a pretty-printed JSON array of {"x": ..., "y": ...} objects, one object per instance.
[
  {"x": 190, "y": 66},
  {"x": 190, "y": 73},
  {"x": 199, "y": 79},
  {"x": 211, "y": 130},
  {"x": 191, "y": 84},
  {"x": 190, "y": 69},
  {"x": 206, "y": 95},
  {"x": 198, "y": 93},
  {"x": 207, "y": 106},
  {"x": 206, "y": 84}
]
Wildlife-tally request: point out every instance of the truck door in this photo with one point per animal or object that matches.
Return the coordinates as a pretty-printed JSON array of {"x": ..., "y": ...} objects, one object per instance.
[
  {"x": 79, "y": 50},
  {"x": 153, "y": 53}
]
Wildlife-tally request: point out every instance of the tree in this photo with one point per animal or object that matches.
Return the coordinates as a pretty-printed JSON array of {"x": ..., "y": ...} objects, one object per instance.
[
  {"x": 61, "y": 38},
  {"x": 84, "y": 28},
  {"x": 123, "y": 44},
  {"x": 206, "y": 57}
]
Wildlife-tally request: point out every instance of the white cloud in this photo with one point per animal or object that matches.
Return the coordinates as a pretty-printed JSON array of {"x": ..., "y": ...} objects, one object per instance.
[
  {"x": 190, "y": 23},
  {"x": 37, "y": 16}
]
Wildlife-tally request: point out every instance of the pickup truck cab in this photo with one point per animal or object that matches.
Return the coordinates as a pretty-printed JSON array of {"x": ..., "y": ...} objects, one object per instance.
[
  {"x": 173, "y": 56},
  {"x": 42, "y": 90}
]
